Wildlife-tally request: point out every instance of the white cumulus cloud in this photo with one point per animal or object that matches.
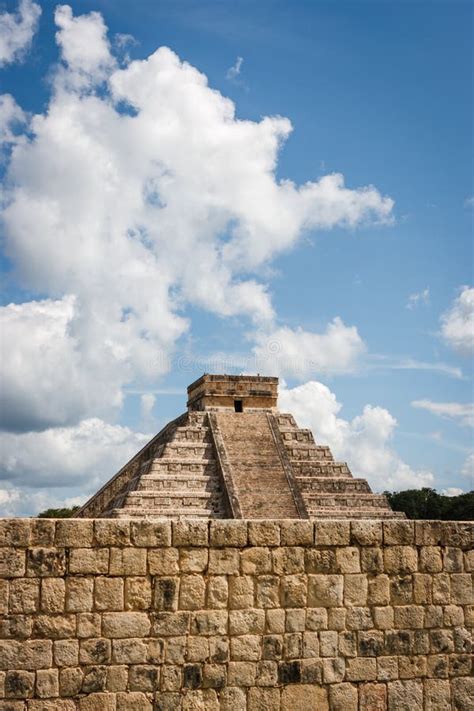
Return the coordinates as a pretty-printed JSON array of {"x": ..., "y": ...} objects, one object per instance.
[
  {"x": 420, "y": 297},
  {"x": 365, "y": 442},
  {"x": 457, "y": 324},
  {"x": 463, "y": 412},
  {"x": 126, "y": 205},
  {"x": 299, "y": 353},
  {"x": 17, "y": 30}
]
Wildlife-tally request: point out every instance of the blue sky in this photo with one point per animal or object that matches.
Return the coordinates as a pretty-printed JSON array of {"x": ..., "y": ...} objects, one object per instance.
[{"x": 150, "y": 235}]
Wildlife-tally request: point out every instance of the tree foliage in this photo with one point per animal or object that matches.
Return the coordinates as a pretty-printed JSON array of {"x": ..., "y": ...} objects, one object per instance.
[
  {"x": 59, "y": 513},
  {"x": 428, "y": 504}
]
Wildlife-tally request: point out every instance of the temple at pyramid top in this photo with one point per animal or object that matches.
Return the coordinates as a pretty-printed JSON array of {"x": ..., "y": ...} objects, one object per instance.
[{"x": 234, "y": 455}]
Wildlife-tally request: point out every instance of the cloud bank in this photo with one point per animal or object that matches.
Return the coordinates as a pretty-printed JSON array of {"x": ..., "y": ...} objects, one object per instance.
[
  {"x": 457, "y": 324},
  {"x": 17, "y": 31}
]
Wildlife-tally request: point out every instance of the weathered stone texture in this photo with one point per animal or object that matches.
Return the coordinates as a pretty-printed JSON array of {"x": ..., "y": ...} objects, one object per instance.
[{"x": 366, "y": 615}]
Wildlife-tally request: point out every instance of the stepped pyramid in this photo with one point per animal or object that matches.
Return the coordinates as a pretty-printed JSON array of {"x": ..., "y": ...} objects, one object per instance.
[{"x": 234, "y": 455}]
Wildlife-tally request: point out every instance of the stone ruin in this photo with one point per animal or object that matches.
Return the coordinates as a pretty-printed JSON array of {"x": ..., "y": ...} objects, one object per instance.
[{"x": 234, "y": 455}]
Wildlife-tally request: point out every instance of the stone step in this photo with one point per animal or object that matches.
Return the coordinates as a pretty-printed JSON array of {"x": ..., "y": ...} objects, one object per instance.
[
  {"x": 320, "y": 468},
  {"x": 291, "y": 435},
  {"x": 336, "y": 484},
  {"x": 300, "y": 451},
  {"x": 186, "y": 450},
  {"x": 356, "y": 500},
  {"x": 193, "y": 434},
  {"x": 173, "y": 465},
  {"x": 153, "y": 514},
  {"x": 181, "y": 482},
  {"x": 331, "y": 512}
]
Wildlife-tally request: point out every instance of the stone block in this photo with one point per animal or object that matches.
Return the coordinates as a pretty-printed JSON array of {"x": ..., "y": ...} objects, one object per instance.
[
  {"x": 190, "y": 533},
  {"x": 317, "y": 618},
  {"x": 334, "y": 670},
  {"x": 15, "y": 532},
  {"x": 288, "y": 560},
  {"x": 355, "y": 590},
  {"x": 263, "y": 699},
  {"x": 97, "y": 702},
  {"x": 361, "y": 669},
  {"x": 224, "y": 561},
  {"x": 295, "y": 620},
  {"x": 210, "y": 622},
  {"x": 54, "y": 626},
  {"x": 48, "y": 705},
  {"x": 373, "y": 697},
  {"x": 93, "y": 561},
  {"x": 137, "y": 593},
  {"x": 461, "y": 589},
  {"x": 47, "y": 683},
  {"x": 242, "y": 591},
  {"x": 228, "y": 534},
  {"x": 437, "y": 696},
  {"x": 111, "y": 532},
  {"x": 378, "y": 591},
  {"x": 367, "y": 533},
  {"x": 4, "y": 593},
  {"x": 255, "y": 561},
  {"x": 70, "y": 681},
  {"x": 150, "y": 534},
  {"x": 53, "y": 595},
  {"x": 117, "y": 678},
  {"x": 412, "y": 667},
  {"x": 66, "y": 652},
  {"x": 133, "y": 701},
  {"x": 430, "y": 559},
  {"x": 193, "y": 560},
  {"x": 12, "y": 563},
  {"x": 293, "y": 591},
  {"x": 243, "y": 622},
  {"x": 371, "y": 643},
  {"x": 214, "y": 676},
  {"x": 144, "y": 677},
  {"x": 371, "y": 560},
  {"x": 128, "y": 561},
  {"x": 241, "y": 673},
  {"x": 165, "y": 593},
  {"x": 275, "y": 621},
  {"x": 405, "y": 696},
  {"x": 296, "y": 533},
  {"x": 125, "y": 624},
  {"x": 348, "y": 559},
  {"x": 233, "y": 698},
  {"x": 245, "y": 649},
  {"x": 79, "y": 594},
  {"x": 303, "y": 697},
  {"x": 88, "y": 624},
  {"x": 108, "y": 594},
  {"x": 24, "y": 596},
  {"x": 95, "y": 651},
  {"x": 325, "y": 590},
  {"x": 321, "y": 560},
  {"x": 74, "y": 533},
  {"x": 343, "y": 697},
  {"x": 171, "y": 678},
  {"x": 192, "y": 592},
  {"x": 409, "y": 617},
  {"x": 264, "y": 533},
  {"x": 19, "y": 684},
  {"x": 169, "y": 624},
  {"x": 217, "y": 591},
  {"x": 337, "y": 617},
  {"x": 383, "y": 617},
  {"x": 396, "y": 533},
  {"x": 332, "y": 533},
  {"x": 401, "y": 560},
  {"x": 462, "y": 693},
  {"x": 129, "y": 651},
  {"x": 198, "y": 649},
  {"x": 42, "y": 532},
  {"x": 453, "y": 560},
  {"x": 387, "y": 668},
  {"x": 328, "y": 643},
  {"x": 163, "y": 561}
]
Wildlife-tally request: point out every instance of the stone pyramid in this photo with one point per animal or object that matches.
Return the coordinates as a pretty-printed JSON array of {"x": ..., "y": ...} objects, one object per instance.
[{"x": 234, "y": 455}]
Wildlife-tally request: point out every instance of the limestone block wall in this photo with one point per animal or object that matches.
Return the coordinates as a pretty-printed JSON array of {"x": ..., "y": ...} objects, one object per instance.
[{"x": 119, "y": 615}]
